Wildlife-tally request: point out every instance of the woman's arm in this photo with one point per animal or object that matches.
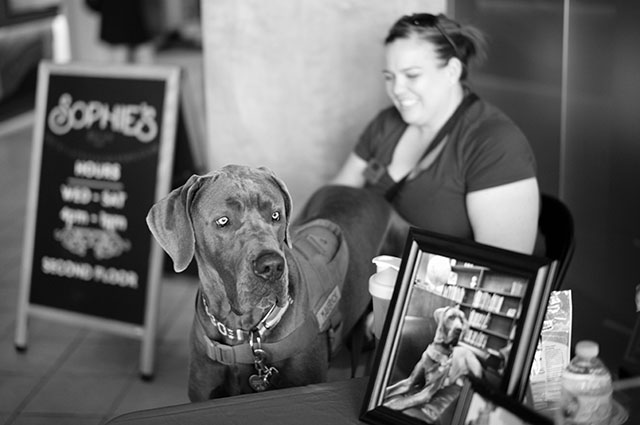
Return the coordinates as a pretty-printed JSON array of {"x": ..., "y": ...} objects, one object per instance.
[
  {"x": 351, "y": 173},
  {"x": 506, "y": 216}
]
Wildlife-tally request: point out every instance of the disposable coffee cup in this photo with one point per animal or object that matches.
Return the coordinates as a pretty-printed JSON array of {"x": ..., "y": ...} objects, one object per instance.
[{"x": 381, "y": 285}]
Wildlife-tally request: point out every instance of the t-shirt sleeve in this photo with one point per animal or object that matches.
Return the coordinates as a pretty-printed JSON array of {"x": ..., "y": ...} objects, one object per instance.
[
  {"x": 364, "y": 147},
  {"x": 500, "y": 154},
  {"x": 372, "y": 140}
]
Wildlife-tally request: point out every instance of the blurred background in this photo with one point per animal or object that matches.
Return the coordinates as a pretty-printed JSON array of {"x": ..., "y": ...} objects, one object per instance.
[{"x": 291, "y": 85}]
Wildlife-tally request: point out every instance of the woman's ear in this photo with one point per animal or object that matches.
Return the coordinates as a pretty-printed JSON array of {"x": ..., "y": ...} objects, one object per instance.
[{"x": 454, "y": 67}]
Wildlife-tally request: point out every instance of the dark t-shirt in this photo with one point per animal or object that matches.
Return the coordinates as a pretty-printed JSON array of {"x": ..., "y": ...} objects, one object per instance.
[{"x": 484, "y": 149}]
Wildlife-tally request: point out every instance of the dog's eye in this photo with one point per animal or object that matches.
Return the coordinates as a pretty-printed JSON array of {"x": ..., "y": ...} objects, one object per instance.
[
  {"x": 275, "y": 216},
  {"x": 222, "y": 221}
]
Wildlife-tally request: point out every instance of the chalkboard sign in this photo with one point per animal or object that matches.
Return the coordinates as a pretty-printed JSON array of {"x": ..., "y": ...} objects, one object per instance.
[{"x": 104, "y": 140}]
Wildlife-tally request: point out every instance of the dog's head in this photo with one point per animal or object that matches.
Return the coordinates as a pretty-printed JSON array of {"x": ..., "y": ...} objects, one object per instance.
[
  {"x": 235, "y": 221},
  {"x": 451, "y": 323}
]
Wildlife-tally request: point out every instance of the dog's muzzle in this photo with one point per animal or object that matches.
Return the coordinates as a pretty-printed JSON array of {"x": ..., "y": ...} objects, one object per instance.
[
  {"x": 455, "y": 335},
  {"x": 269, "y": 266}
]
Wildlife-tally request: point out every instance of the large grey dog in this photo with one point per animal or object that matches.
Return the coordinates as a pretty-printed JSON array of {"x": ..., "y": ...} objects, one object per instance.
[
  {"x": 275, "y": 298},
  {"x": 434, "y": 369}
]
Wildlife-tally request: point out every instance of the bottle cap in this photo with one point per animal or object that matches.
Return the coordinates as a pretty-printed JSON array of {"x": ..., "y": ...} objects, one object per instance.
[{"x": 587, "y": 349}]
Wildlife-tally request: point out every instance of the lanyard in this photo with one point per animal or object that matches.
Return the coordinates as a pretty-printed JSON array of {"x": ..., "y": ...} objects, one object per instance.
[{"x": 440, "y": 137}]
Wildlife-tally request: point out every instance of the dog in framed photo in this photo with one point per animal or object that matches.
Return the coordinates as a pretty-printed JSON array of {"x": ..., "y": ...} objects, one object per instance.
[{"x": 443, "y": 363}]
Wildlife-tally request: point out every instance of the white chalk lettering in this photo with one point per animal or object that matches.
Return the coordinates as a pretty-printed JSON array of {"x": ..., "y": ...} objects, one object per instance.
[
  {"x": 117, "y": 277},
  {"x": 113, "y": 198},
  {"x": 97, "y": 170},
  {"x": 66, "y": 268},
  {"x": 134, "y": 120},
  {"x": 113, "y": 221},
  {"x": 73, "y": 216},
  {"x": 87, "y": 272},
  {"x": 75, "y": 194}
]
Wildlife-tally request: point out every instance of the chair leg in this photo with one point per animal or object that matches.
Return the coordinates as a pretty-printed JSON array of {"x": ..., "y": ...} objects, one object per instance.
[
  {"x": 359, "y": 343},
  {"x": 356, "y": 344}
]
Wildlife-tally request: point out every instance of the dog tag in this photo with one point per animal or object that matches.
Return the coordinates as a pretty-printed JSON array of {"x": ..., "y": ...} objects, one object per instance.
[
  {"x": 260, "y": 356},
  {"x": 271, "y": 375},
  {"x": 259, "y": 383}
]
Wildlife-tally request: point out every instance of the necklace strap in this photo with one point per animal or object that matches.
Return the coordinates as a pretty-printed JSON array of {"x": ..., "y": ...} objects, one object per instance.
[
  {"x": 439, "y": 138},
  {"x": 268, "y": 321}
]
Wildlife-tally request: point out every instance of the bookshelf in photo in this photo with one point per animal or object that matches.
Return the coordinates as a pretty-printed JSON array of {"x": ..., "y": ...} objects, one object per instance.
[{"x": 492, "y": 302}]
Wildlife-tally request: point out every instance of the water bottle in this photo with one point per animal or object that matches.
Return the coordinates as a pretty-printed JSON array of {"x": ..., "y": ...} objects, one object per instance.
[
  {"x": 381, "y": 285},
  {"x": 586, "y": 388}
]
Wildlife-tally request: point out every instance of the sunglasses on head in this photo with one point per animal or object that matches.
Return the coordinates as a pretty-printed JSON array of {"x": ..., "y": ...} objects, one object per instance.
[{"x": 427, "y": 20}]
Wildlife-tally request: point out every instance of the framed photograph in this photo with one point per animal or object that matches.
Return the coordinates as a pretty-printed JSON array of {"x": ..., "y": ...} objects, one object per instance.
[
  {"x": 459, "y": 309},
  {"x": 480, "y": 405}
]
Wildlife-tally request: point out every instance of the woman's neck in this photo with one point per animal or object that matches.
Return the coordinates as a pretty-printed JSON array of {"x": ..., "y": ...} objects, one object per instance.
[{"x": 457, "y": 95}]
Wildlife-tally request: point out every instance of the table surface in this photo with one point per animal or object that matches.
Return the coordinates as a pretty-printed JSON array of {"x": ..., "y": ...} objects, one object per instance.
[
  {"x": 328, "y": 403},
  {"x": 336, "y": 403}
]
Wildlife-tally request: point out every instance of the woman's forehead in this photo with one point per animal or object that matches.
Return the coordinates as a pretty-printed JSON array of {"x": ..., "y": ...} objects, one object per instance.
[{"x": 406, "y": 52}]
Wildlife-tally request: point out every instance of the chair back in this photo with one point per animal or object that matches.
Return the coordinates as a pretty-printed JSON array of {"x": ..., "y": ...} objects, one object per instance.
[{"x": 556, "y": 225}]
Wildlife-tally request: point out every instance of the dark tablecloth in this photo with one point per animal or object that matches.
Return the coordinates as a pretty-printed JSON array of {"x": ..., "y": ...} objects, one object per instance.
[{"x": 329, "y": 403}]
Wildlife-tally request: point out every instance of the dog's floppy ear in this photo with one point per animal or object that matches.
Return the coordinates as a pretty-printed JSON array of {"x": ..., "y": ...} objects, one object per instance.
[
  {"x": 439, "y": 313},
  {"x": 288, "y": 203},
  {"x": 170, "y": 223}
]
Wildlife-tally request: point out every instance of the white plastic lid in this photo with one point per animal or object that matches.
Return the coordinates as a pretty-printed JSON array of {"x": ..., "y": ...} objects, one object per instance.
[
  {"x": 381, "y": 284},
  {"x": 587, "y": 349},
  {"x": 383, "y": 262}
]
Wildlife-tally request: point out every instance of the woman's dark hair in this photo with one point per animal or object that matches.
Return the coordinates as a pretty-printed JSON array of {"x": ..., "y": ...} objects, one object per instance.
[{"x": 465, "y": 42}]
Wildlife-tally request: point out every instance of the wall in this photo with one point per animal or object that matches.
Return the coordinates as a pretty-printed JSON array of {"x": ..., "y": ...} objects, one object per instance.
[
  {"x": 523, "y": 73},
  {"x": 84, "y": 27},
  {"x": 568, "y": 72},
  {"x": 601, "y": 168},
  {"x": 291, "y": 84}
]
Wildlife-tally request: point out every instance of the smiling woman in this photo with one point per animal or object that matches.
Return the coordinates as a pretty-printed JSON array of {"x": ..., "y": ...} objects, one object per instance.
[{"x": 447, "y": 160}]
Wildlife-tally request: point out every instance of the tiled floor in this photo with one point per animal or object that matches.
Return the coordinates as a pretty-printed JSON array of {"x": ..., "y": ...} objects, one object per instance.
[{"x": 69, "y": 374}]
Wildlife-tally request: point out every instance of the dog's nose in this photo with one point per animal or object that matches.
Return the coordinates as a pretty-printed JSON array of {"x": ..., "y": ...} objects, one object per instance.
[{"x": 269, "y": 266}]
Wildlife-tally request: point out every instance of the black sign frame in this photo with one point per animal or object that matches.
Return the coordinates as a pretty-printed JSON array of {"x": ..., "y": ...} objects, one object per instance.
[{"x": 103, "y": 147}]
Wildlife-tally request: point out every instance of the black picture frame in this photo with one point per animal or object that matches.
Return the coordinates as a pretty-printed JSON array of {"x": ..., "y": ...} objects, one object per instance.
[{"x": 496, "y": 298}]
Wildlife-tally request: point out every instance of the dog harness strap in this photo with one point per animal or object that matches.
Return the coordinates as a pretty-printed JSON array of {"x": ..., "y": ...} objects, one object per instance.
[
  {"x": 273, "y": 317},
  {"x": 436, "y": 355},
  {"x": 232, "y": 334},
  {"x": 270, "y": 320},
  {"x": 220, "y": 353},
  {"x": 322, "y": 261},
  {"x": 242, "y": 353},
  {"x": 217, "y": 351}
]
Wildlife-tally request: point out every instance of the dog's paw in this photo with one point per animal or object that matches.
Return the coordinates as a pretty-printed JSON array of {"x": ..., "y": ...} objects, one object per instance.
[
  {"x": 400, "y": 402},
  {"x": 394, "y": 403}
]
